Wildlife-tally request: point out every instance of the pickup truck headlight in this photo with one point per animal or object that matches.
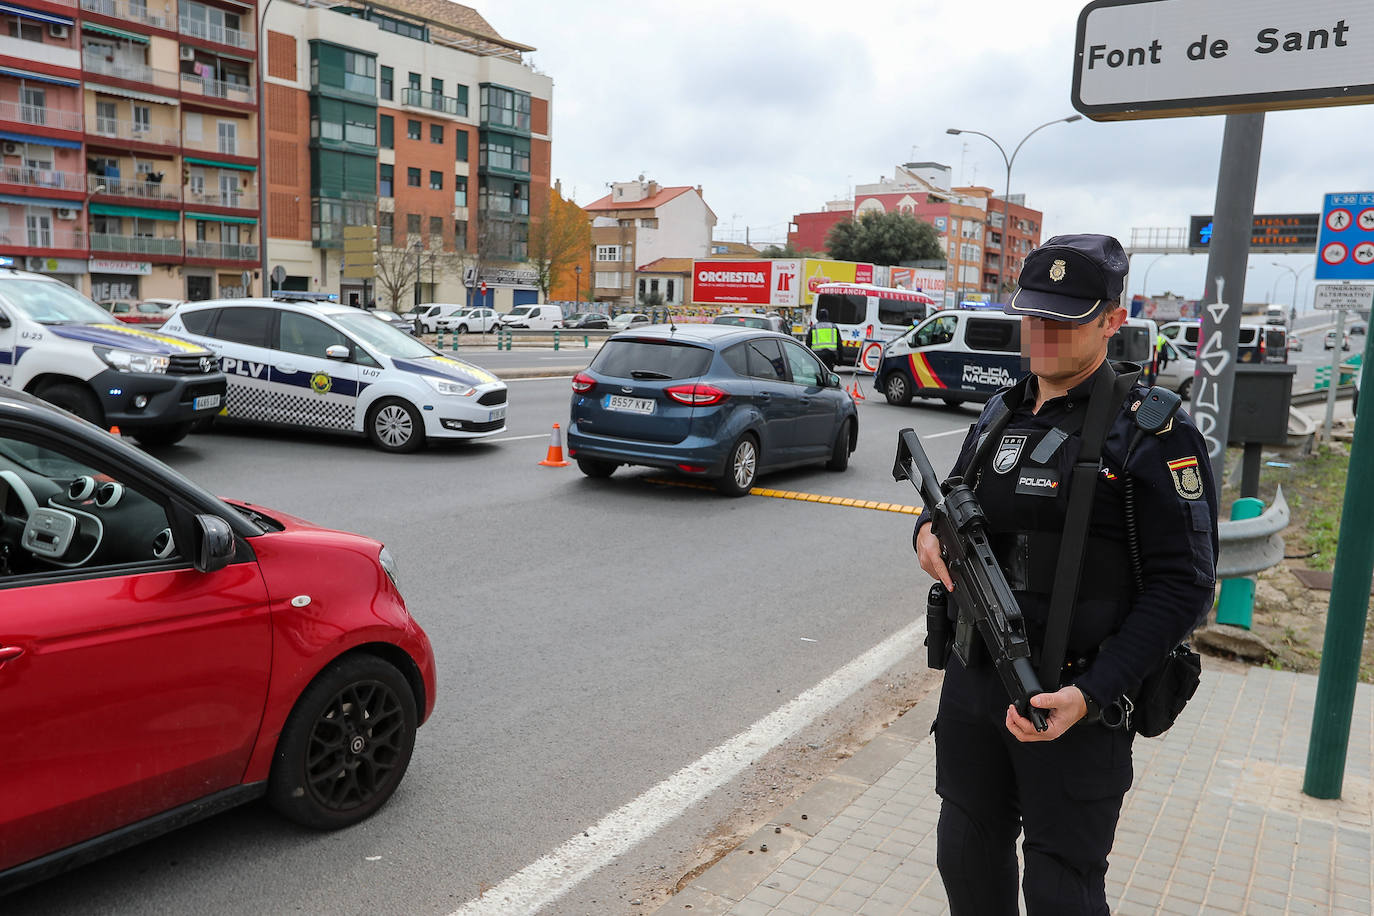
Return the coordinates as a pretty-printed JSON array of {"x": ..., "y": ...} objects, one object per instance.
[
  {"x": 132, "y": 361},
  {"x": 445, "y": 386}
]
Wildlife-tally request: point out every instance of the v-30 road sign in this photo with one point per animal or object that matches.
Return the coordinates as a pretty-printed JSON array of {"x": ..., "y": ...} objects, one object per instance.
[{"x": 1345, "y": 246}]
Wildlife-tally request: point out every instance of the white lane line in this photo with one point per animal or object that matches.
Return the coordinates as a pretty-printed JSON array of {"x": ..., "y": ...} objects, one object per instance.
[
  {"x": 551, "y": 876},
  {"x": 517, "y": 438},
  {"x": 948, "y": 432}
]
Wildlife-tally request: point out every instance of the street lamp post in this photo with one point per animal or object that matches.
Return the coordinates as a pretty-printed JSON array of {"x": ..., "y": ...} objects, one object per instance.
[
  {"x": 1006, "y": 201},
  {"x": 260, "y": 177},
  {"x": 577, "y": 277},
  {"x": 419, "y": 250},
  {"x": 1145, "y": 287},
  {"x": 1293, "y": 308}
]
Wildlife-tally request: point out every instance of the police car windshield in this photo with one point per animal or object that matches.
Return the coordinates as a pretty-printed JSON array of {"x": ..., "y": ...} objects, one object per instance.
[
  {"x": 47, "y": 302},
  {"x": 382, "y": 336}
]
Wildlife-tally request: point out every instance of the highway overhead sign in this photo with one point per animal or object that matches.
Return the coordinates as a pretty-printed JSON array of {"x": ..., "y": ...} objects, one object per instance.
[
  {"x": 1169, "y": 58},
  {"x": 1345, "y": 247},
  {"x": 1343, "y": 296},
  {"x": 1292, "y": 233}
]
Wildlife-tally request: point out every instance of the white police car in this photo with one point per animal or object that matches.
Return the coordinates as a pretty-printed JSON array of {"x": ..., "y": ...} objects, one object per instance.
[
  {"x": 59, "y": 345},
  {"x": 332, "y": 367}
]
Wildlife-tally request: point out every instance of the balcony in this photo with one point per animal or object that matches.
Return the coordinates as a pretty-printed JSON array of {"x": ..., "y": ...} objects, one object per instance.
[
  {"x": 131, "y": 70},
  {"x": 57, "y": 236},
  {"x": 222, "y": 251},
  {"x": 123, "y": 187},
  {"x": 136, "y": 131},
  {"x": 418, "y": 98},
  {"x": 243, "y": 201},
  {"x": 47, "y": 179},
  {"x": 129, "y": 11},
  {"x": 218, "y": 89},
  {"x": 216, "y": 33},
  {"x": 135, "y": 244},
  {"x": 40, "y": 116}
]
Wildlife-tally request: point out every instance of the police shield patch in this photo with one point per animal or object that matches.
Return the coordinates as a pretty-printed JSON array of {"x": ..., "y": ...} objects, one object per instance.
[
  {"x": 1008, "y": 451},
  {"x": 1187, "y": 480}
]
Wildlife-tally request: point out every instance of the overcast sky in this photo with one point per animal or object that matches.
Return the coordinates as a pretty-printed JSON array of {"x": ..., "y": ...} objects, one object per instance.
[{"x": 775, "y": 108}]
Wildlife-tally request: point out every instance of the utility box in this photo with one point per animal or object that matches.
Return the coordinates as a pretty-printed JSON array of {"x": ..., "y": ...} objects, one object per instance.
[{"x": 1259, "y": 406}]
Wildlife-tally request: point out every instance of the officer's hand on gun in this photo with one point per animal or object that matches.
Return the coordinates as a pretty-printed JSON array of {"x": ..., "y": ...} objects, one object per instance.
[
  {"x": 1063, "y": 708},
  {"x": 928, "y": 555}
]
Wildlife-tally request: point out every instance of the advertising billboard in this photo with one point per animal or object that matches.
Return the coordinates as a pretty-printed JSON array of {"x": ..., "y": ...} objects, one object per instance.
[
  {"x": 816, "y": 271},
  {"x": 931, "y": 282}
]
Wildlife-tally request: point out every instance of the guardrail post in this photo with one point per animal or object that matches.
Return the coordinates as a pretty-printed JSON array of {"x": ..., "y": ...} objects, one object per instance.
[
  {"x": 1237, "y": 602},
  {"x": 586, "y": 341},
  {"x": 555, "y": 338},
  {"x": 455, "y": 340}
]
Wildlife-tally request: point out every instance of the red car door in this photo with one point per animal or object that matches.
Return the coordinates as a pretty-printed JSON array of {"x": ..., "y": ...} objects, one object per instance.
[{"x": 124, "y": 696}]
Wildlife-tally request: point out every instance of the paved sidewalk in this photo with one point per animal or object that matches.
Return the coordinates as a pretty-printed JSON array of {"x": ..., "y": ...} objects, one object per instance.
[{"x": 1216, "y": 821}]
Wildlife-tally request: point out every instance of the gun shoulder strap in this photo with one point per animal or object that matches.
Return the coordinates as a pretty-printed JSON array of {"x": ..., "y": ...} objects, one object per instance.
[{"x": 1108, "y": 393}]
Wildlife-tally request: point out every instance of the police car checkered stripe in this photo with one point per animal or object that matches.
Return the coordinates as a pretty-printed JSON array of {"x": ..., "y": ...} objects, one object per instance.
[{"x": 255, "y": 400}]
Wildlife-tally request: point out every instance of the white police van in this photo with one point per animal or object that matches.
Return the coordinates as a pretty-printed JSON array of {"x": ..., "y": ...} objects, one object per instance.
[
  {"x": 59, "y": 345},
  {"x": 331, "y": 367},
  {"x": 962, "y": 355}
]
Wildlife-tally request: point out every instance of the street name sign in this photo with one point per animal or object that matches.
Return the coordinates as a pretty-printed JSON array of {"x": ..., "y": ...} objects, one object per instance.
[
  {"x": 1168, "y": 58},
  {"x": 1345, "y": 297}
]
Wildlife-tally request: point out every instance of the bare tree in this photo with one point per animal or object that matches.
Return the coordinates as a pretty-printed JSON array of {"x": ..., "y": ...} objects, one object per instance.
[{"x": 395, "y": 274}]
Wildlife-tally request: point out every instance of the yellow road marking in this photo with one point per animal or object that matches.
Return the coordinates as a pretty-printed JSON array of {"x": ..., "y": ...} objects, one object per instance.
[{"x": 804, "y": 497}]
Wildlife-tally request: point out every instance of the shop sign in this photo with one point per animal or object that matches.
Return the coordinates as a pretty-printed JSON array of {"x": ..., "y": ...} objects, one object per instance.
[{"x": 103, "y": 266}]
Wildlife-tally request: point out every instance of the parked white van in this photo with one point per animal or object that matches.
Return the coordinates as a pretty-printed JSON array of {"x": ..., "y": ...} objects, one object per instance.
[
  {"x": 865, "y": 312},
  {"x": 535, "y": 317}
]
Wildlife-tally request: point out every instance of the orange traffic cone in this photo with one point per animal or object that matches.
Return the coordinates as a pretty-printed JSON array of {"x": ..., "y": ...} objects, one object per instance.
[
  {"x": 855, "y": 391},
  {"x": 114, "y": 431},
  {"x": 555, "y": 456}
]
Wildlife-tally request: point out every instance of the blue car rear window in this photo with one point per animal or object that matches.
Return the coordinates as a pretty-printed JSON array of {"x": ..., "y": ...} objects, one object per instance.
[{"x": 666, "y": 359}]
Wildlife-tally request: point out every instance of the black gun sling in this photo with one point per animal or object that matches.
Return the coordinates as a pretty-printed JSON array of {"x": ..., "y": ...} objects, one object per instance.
[{"x": 1109, "y": 390}]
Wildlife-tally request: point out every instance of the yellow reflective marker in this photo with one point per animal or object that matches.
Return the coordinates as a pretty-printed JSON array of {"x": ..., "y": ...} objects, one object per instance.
[{"x": 799, "y": 496}]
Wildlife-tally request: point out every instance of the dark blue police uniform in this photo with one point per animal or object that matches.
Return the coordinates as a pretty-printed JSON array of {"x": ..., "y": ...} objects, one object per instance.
[{"x": 1066, "y": 794}]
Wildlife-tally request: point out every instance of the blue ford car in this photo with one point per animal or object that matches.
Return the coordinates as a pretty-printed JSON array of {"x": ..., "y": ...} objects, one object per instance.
[{"x": 711, "y": 401}]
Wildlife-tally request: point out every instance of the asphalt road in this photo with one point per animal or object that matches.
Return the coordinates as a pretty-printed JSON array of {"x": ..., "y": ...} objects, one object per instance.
[{"x": 593, "y": 638}]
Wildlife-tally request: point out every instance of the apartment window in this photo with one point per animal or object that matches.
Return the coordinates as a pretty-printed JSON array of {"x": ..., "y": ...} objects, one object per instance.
[
  {"x": 193, "y": 130},
  {"x": 387, "y": 125},
  {"x": 228, "y": 137},
  {"x": 107, "y": 118},
  {"x": 228, "y": 188},
  {"x": 505, "y": 107},
  {"x": 412, "y": 178},
  {"x": 460, "y": 137},
  {"x": 436, "y": 86},
  {"x": 608, "y": 279},
  {"x": 436, "y": 181},
  {"x": 462, "y": 95},
  {"x": 386, "y": 227},
  {"x": 386, "y": 181},
  {"x": 436, "y": 228},
  {"x": 414, "y": 81},
  {"x": 35, "y": 106},
  {"x": 23, "y": 28},
  {"x": 360, "y": 73},
  {"x": 196, "y": 182},
  {"x": 412, "y": 129},
  {"x": 436, "y": 133},
  {"x": 460, "y": 234},
  {"x": 650, "y": 223},
  {"x": 668, "y": 295},
  {"x": 608, "y": 252},
  {"x": 388, "y": 83},
  {"x": 460, "y": 191},
  {"x": 40, "y": 229},
  {"x": 202, "y": 230},
  {"x": 412, "y": 224}
]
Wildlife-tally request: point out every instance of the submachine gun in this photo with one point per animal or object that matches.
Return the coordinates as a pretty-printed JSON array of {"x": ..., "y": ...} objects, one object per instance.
[{"x": 984, "y": 599}]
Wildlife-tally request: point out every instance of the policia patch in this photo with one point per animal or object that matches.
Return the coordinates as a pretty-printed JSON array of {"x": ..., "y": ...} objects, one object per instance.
[{"x": 1187, "y": 481}]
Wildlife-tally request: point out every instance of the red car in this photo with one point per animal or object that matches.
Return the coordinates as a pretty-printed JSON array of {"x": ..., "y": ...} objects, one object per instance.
[
  {"x": 165, "y": 655},
  {"x": 139, "y": 312}
]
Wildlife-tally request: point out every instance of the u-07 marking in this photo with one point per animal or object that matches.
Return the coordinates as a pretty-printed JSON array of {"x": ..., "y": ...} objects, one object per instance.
[{"x": 803, "y": 497}]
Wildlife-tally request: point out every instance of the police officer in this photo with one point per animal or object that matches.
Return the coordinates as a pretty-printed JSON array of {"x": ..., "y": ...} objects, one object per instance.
[
  {"x": 995, "y": 774},
  {"x": 824, "y": 339}
]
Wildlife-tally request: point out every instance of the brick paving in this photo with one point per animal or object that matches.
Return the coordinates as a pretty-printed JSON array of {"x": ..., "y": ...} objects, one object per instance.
[{"x": 1216, "y": 821}]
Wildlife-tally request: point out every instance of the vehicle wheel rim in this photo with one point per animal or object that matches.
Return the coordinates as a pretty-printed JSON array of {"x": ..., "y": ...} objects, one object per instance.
[
  {"x": 394, "y": 426},
  {"x": 355, "y": 746},
  {"x": 896, "y": 387},
  {"x": 745, "y": 462}
]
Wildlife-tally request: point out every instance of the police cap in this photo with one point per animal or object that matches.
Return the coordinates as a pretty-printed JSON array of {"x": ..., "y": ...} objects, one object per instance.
[{"x": 1071, "y": 278}]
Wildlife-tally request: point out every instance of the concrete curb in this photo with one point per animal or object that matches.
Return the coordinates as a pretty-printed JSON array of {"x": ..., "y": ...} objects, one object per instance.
[
  {"x": 741, "y": 870},
  {"x": 540, "y": 372}
]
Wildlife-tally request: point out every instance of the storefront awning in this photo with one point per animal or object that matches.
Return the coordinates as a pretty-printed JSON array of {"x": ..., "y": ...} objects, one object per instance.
[
  {"x": 40, "y": 77},
  {"x": 113, "y": 33},
  {"x": 34, "y": 14},
  {"x": 214, "y": 217},
  {"x": 219, "y": 165},
  {"x": 39, "y": 202},
  {"x": 41, "y": 141},
  {"x": 140, "y": 212}
]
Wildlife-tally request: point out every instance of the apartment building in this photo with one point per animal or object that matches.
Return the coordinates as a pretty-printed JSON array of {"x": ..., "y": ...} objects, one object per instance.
[
  {"x": 129, "y": 134},
  {"x": 1000, "y": 240},
  {"x": 640, "y": 222},
  {"x": 423, "y": 122}
]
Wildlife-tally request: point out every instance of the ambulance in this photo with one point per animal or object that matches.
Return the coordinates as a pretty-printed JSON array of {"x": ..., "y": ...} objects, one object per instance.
[
  {"x": 57, "y": 344},
  {"x": 864, "y": 312}
]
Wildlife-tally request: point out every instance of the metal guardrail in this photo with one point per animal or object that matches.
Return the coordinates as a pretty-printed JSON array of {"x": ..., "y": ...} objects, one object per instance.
[{"x": 1252, "y": 544}]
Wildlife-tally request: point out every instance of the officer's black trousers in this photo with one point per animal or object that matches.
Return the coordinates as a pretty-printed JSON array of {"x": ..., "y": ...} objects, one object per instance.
[{"x": 1065, "y": 794}]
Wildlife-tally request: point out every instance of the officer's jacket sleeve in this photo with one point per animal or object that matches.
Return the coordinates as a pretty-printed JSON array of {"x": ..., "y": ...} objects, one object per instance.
[{"x": 1176, "y": 515}]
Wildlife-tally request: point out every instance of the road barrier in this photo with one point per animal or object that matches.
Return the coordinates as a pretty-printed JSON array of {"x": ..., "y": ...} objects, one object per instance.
[{"x": 1252, "y": 544}]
